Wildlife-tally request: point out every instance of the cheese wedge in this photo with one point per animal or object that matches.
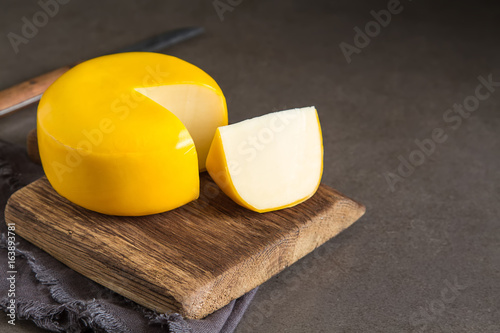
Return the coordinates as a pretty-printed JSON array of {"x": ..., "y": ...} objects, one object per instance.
[
  {"x": 270, "y": 162},
  {"x": 119, "y": 134}
]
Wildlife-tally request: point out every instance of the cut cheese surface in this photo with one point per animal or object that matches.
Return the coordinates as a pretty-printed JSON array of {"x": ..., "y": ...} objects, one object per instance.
[
  {"x": 269, "y": 162},
  {"x": 109, "y": 143},
  {"x": 197, "y": 106}
]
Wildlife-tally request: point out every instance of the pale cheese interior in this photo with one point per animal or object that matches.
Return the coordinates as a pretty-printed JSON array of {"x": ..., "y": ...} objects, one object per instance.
[{"x": 199, "y": 108}]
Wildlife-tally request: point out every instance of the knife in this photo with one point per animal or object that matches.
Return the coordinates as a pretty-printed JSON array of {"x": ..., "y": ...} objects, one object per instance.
[{"x": 30, "y": 91}]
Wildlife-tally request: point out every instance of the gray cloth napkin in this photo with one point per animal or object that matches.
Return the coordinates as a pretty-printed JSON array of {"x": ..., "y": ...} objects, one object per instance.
[{"x": 59, "y": 299}]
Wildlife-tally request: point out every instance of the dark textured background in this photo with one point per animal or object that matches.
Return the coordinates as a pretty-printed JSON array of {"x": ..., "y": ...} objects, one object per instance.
[{"x": 440, "y": 226}]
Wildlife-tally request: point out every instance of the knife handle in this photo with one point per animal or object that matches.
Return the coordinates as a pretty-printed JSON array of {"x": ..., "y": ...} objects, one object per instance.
[
  {"x": 28, "y": 92},
  {"x": 32, "y": 147}
]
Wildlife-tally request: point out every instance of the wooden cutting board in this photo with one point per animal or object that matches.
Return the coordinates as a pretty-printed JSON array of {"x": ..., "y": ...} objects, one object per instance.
[{"x": 192, "y": 260}]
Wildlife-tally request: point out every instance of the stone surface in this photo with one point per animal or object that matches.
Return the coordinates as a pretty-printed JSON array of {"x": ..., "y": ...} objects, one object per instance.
[{"x": 439, "y": 226}]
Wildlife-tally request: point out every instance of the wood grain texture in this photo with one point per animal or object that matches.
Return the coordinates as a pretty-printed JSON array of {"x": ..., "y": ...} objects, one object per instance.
[
  {"x": 16, "y": 97},
  {"x": 192, "y": 260}
]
